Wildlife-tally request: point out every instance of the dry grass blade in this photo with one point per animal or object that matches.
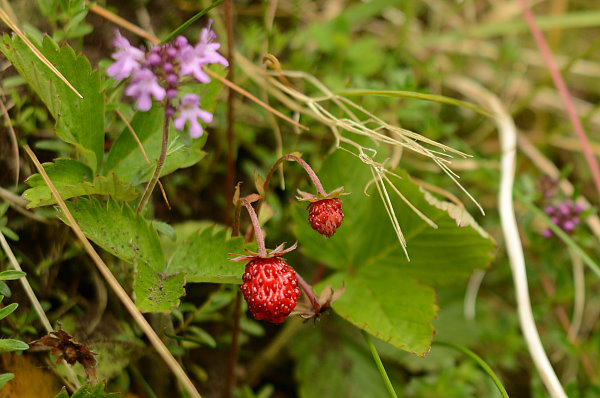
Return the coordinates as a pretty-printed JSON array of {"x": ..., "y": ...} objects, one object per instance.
[
  {"x": 112, "y": 281},
  {"x": 123, "y": 23},
  {"x": 6, "y": 19}
]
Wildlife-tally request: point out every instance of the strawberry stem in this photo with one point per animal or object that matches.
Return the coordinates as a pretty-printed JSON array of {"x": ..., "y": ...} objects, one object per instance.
[
  {"x": 260, "y": 241},
  {"x": 309, "y": 293},
  {"x": 309, "y": 171}
]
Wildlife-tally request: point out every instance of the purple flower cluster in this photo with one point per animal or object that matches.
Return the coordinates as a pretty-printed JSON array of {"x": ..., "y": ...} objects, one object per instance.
[
  {"x": 565, "y": 215},
  {"x": 159, "y": 73}
]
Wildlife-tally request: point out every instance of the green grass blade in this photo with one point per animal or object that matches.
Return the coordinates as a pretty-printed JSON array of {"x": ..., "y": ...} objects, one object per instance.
[
  {"x": 486, "y": 368},
  {"x": 190, "y": 21},
  {"x": 415, "y": 95},
  {"x": 384, "y": 376}
]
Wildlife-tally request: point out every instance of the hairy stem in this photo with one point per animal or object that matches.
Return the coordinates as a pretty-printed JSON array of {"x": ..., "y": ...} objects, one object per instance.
[
  {"x": 309, "y": 293},
  {"x": 309, "y": 171},
  {"x": 260, "y": 240},
  {"x": 159, "y": 165}
]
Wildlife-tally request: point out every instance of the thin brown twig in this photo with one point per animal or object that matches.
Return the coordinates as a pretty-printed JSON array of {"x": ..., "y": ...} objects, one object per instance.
[
  {"x": 230, "y": 177},
  {"x": 252, "y": 98},
  {"x": 13, "y": 140}
]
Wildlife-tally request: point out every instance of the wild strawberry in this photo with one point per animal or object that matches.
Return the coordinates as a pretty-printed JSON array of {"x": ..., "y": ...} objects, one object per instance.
[
  {"x": 325, "y": 216},
  {"x": 269, "y": 285},
  {"x": 270, "y": 288},
  {"x": 325, "y": 213}
]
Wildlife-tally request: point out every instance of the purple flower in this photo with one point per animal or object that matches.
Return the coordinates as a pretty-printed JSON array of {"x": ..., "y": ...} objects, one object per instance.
[
  {"x": 205, "y": 52},
  {"x": 189, "y": 110},
  {"x": 143, "y": 85},
  {"x": 128, "y": 59},
  {"x": 207, "y": 49}
]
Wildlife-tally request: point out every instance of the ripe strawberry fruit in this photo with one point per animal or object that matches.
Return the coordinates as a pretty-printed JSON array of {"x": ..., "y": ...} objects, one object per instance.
[
  {"x": 325, "y": 216},
  {"x": 270, "y": 288}
]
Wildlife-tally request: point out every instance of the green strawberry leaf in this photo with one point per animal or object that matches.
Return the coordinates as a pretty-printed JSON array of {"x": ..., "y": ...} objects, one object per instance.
[
  {"x": 204, "y": 256},
  {"x": 389, "y": 306},
  {"x": 118, "y": 230},
  {"x": 156, "y": 291},
  {"x": 333, "y": 362},
  {"x": 80, "y": 121},
  {"x": 72, "y": 178},
  {"x": 127, "y": 160},
  {"x": 386, "y": 294}
]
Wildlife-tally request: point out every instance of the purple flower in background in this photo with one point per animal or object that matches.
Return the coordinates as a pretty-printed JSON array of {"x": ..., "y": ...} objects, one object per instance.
[
  {"x": 128, "y": 59},
  {"x": 565, "y": 215},
  {"x": 143, "y": 85},
  {"x": 189, "y": 110}
]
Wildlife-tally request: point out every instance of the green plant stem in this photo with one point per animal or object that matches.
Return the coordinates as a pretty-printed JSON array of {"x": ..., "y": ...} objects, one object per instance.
[
  {"x": 382, "y": 372},
  {"x": 159, "y": 165},
  {"x": 190, "y": 21},
  {"x": 486, "y": 368},
  {"x": 272, "y": 351},
  {"x": 138, "y": 376}
]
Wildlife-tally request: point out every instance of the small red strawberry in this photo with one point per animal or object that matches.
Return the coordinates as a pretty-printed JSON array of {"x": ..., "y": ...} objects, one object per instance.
[
  {"x": 325, "y": 216},
  {"x": 325, "y": 213},
  {"x": 270, "y": 288}
]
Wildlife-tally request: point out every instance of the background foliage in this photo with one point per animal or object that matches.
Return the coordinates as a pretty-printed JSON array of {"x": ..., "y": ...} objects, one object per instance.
[{"x": 174, "y": 260}]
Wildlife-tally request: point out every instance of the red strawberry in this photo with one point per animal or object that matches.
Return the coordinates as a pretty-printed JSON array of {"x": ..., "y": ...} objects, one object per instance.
[
  {"x": 325, "y": 215},
  {"x": 270, "y": 288}
]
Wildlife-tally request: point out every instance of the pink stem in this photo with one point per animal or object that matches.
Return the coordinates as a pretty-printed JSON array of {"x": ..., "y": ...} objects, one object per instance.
[
  {"x": 309, "y": 293},
  {"x": 260, "y": 241},
  {"x": 307, "y": 168},
  {"x": 563, "y": 91}
]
